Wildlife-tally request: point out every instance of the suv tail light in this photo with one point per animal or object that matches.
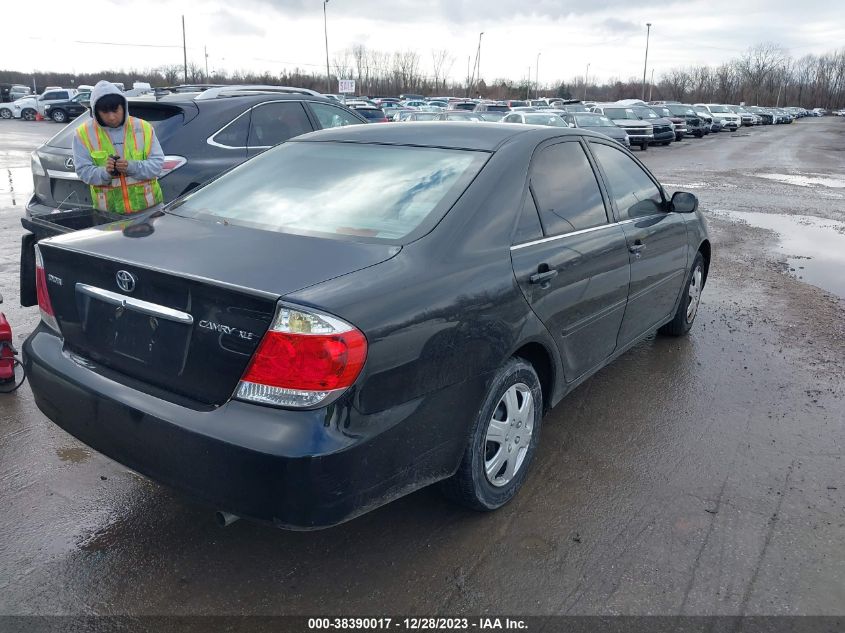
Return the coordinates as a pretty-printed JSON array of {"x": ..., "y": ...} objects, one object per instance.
[
  {"x": 44, "y": 304},
  {"x": 171, "y": 163},
  {"x": 304, "y": 358}
]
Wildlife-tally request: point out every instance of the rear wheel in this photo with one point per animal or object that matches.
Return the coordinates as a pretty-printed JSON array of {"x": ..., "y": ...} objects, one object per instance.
[
  {"x": 59, "y": 116},
  {"x": 502, "y": 442},
  {"x": 688, "y": 306},
  {"x": 5, "y": 113}
]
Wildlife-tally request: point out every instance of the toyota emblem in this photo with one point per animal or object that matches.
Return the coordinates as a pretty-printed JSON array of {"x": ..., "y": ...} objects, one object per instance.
[
  {"x": 69, "y": 162},
  {"x": 126, "y": 280}
]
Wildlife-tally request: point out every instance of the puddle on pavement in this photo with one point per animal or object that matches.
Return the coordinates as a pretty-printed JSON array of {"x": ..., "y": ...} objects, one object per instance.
[
  {"x": 74, "y": 455},
  {"x": 15, "y": 186},
  {"x": 814, "y": 247},
  {"x": 807, "y": 180}
]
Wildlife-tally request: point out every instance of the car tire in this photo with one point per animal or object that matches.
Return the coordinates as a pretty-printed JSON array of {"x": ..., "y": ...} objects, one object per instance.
[
  {"x": 699, "y": 134},
  {"x": 59, "y": 116},
  {"x": 28, "y": 114},
  {"x": 690, "y": 300},
  {"x": 665, "y": 143},
  {"x": 643, "y": 147},
  {"x": 498, "y": 454},
  {"x": 5, "y": 113}
]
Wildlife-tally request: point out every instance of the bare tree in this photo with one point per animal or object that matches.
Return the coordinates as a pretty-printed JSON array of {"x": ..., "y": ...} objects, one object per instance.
[
  {"x": 442, "y": 61},
  {"x": 676, "y": 82},
  {"x": 758, "y": 63}
]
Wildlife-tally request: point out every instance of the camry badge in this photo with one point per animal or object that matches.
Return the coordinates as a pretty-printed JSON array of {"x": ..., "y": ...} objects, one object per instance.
[
  {"x": 126, "y": 280},
  {"x": 69, "y": 162}
]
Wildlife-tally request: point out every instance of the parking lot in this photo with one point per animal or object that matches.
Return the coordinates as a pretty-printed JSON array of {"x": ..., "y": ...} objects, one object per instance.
[{"x": 696, "y": 476}]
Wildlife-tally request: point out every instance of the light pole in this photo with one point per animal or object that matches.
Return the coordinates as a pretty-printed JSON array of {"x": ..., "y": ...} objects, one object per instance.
[
  {"x": 537, "y": 78},
  {"x": 326, "y": 33},
  {"x": 651, "y": 84},
  {"x": 648, "y": 32},
  {"x": 586, "y": 74}
]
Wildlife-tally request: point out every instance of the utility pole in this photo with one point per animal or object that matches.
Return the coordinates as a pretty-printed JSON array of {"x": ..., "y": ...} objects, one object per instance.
[
  {"x": 469, "y": 77},
  {"x": 478, "y": 61},
  {"x": 537, "y": 78},
  {"x": 326, "y": 33},
  {"x": 205, "y": 50},
  {"x": 651, "y": 85},
  {"x": 184, "y": 49},
  {"x": 645, "y": 64},
  {"x": 586, "y": 74},
  {"x": 528, "y": 84}
]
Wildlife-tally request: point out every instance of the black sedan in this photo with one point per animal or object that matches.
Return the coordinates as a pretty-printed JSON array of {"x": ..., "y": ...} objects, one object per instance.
[{"x": 361, "y": 312}]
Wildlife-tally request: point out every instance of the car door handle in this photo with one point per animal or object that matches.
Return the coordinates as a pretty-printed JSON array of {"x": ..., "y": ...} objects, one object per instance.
[
  {"x": 636, "y": 247},
  {"x": 538, "y": 278}
]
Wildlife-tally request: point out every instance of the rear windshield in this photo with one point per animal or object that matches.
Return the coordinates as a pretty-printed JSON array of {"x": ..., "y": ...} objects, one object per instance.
[
  {"x": 165, "y": 122},
  {"x": 719, "y": 109},
  {"x": 497, "y": 108},
  {"x": 380, "y": 192},
  {"x": 551, "y": 120},
  {"x": 370, "y": 113}
]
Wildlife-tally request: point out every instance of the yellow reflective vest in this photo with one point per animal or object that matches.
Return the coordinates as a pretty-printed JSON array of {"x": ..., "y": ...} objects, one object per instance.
[{"x": 124, "y": 194}]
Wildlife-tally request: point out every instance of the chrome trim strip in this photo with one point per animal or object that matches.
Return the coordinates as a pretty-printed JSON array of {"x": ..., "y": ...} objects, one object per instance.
[
  {"x": 582, "y": 231},
  {"x": 144, "y": 307},
  {"x": 63, "y": 175}
]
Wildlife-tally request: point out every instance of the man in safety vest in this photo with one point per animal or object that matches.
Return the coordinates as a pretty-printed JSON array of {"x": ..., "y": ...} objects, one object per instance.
[{"x": 118, "y": 155}]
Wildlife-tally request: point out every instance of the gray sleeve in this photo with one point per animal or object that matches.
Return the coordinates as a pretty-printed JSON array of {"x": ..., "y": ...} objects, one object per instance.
[
  {"x": 149, "y": 168},
  {"x": 87, "y": 171}
]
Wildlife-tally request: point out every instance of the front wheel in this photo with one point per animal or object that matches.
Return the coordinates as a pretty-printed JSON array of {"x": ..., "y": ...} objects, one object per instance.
[
  {"x": 5, "y": 113},
  {"x": 502, "y": 442},
  {"x": 643, "y": 147},
  {"x": 690, "y": 300},
  {"x": 28, "y": 114},
  {"x": 59, "y": 116}
]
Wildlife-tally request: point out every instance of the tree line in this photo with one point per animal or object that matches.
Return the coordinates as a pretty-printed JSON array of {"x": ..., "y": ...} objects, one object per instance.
[{"x": 764, "y": 75}]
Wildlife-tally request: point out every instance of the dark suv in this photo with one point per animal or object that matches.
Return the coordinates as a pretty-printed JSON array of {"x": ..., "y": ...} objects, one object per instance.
[
  {"x": 63, "y": 111},
  {"x": 201, "y": 137}
]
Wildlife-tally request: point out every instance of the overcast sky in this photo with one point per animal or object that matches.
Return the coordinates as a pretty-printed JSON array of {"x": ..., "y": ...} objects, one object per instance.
[{"x": 275, "y": 35}]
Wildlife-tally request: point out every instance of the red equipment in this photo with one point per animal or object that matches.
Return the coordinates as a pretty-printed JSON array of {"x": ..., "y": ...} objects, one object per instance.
[
  {"x": 7, "y": 352},
  {"x": 8, "y": 360}
]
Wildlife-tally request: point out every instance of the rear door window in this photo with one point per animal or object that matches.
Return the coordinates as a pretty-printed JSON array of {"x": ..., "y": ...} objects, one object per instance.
[
  {"x": 274, "y": 123},
  {"x": 634, "y": 192},
  {"x": 567, "y": 192}
]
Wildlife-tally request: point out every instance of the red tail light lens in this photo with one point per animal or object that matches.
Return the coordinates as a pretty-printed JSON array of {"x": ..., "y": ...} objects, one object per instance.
[
  {"x": 304, "y": 358},
  {"x": 48, "y": 315},
  {"x": 171, "y": 163}
]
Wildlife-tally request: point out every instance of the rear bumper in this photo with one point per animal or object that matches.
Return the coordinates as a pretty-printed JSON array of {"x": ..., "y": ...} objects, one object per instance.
[{"x": 295, "y": 469}]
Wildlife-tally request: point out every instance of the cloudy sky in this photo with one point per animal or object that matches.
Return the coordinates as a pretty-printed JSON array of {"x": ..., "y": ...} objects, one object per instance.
[{"x": 273, "y": 35}]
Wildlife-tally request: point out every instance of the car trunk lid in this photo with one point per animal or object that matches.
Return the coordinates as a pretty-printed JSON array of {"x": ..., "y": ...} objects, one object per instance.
[{"x": 181, "y": 305}]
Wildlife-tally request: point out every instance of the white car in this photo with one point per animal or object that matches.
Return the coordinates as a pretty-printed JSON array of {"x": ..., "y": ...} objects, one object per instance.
[
  {"x": 25, "y": 108},
  {"x": 722, "y": 114}
]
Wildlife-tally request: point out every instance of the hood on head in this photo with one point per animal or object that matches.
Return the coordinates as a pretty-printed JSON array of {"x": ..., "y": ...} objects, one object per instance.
[{"x": 102, "y": 89}]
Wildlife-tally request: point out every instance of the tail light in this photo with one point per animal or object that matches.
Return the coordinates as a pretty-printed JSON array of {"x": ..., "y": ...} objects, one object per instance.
[
  {"x": 44, "y": 304},
  {"x": 171, "y": 163},
  {"x": 304, "y": 359}
]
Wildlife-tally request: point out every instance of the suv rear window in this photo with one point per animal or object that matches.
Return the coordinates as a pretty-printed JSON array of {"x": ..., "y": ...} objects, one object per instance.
[
  {"x": 165, "y": 121},
  {"x": 379, "y": 192}
]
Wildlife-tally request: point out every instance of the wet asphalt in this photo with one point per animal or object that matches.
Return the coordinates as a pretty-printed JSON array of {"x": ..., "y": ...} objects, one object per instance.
[{"x": 698, "y": 476}]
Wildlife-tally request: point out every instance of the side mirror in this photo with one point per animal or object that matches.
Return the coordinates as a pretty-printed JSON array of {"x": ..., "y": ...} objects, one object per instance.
[
  {"x": 571, "y": 125},
  {"x": 684, "y": 202}
]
